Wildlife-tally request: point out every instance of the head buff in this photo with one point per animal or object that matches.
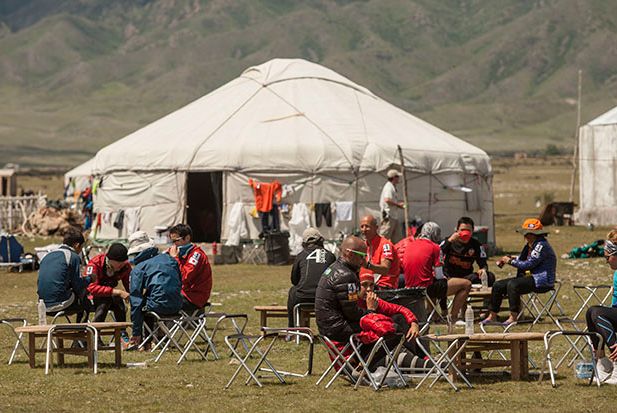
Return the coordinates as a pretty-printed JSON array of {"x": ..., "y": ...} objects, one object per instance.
[
  {"x": 610, "y": 247},
  {"x": 431, "y": 231}
]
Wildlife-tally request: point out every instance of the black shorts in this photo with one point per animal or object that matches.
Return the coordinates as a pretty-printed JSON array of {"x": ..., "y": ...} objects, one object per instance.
[{"x": 439, "y": 289}]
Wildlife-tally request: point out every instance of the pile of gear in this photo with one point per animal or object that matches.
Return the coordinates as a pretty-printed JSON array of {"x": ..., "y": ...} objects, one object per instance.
[{"x": 51, "y": 221}]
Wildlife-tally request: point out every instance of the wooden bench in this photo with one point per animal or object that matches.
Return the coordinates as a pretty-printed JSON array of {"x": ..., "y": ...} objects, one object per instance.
[
  {"x": 280, "y": 311},
  {"x": 517, "y": 343}
]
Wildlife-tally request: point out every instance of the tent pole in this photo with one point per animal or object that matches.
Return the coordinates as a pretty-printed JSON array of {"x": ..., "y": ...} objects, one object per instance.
[
  {"x": 405, "y": 199},
  {"x": 430, "y": 193},
  {"x": 576, "y": 137},
  {"x": 355, "y": 202}
]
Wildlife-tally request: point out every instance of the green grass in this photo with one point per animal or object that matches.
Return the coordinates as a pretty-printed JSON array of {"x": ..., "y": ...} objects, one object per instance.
[{"x": 198, "y": 385}]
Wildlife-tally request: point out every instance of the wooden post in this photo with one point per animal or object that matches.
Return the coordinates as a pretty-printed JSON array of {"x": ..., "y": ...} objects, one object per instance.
[
  {"x": 576, "y": 137},
  {"x": 515, "y": 355},
  {"x": 405, "y": 198}
]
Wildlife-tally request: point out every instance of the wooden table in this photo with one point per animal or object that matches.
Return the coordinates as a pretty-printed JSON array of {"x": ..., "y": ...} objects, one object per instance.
[
  {"x": 517, "y": 343},
  {"x": 280, "y": 311},
  {"x": 480, "y": 293},
  {"x": 104, "y": 329}
]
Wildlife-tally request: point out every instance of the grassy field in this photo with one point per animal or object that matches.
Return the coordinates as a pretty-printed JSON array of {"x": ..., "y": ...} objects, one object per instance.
[{"x": 198, "y": 385}]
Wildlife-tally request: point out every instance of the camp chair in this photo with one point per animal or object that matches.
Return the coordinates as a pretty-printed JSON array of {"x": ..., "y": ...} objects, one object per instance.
[
  {"x": 550, "y": 335},
  {"x": 59, "y": 329},
  {"x": 341, "y": 362},
  {"x": 259, "y": 345},
  {"x": 10, "y": 323},
  {"x": 238, "y": 322},
  {"x": 591, "y": 295},
  {"x": 538, "y": 308},
  {"x": 297, "y": 312},
  {"x": 443, "y": 360},
  {"x": 197, "y": 322},
  {"x": 391, "y": 356},
  {"x": 162, "y": 326}
]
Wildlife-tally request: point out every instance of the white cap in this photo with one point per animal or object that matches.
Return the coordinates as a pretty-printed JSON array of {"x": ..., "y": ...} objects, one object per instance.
[
  {"x": 140, "y": 241},
  {"x": 392, "y": 173}
]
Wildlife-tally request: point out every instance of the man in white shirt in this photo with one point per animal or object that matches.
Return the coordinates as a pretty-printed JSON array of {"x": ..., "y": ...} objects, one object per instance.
[{"x": 391, "y": 209}]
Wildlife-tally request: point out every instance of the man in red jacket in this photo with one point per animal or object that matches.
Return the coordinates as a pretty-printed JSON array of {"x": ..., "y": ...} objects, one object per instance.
[
  {"x": 105, "y": 270},
  {"x": 382, "y": 258},
  {"x": 194, "y": 267}
]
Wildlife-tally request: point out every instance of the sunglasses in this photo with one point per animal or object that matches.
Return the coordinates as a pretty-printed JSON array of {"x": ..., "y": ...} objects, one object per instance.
[
  {"x": 360, "y": 253},
  {"x": 174, "y": 240}
]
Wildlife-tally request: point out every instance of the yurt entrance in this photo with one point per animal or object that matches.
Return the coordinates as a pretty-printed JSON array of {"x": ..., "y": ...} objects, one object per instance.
[{"x": 205, "y": 205}]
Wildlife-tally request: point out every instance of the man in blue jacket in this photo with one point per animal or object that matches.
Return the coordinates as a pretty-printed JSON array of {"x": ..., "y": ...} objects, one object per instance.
[
  {"x": 60, "y": 284},
  {"x": 155, "y": 283},
  {"x": 536, "y": 265}
]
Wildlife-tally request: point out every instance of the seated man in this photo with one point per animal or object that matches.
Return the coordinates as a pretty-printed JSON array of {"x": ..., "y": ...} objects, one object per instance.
[
  {"x": 422, "y": 267},
  {"x": 382, "y": 258},
  {"x": 306, "y": 271},
  {"x": 105, "y": 270},
  {"x": 155, "y": 283},
  {"x": 59, "y": 283},
  {"x": 461, "y": 250},
  {"x": 341, "y": 302},
  {"x": 194, "y": 267}
]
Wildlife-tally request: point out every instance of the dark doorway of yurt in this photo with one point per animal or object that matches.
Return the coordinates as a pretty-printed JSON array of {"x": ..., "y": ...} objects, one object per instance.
[{"x": 205, "y": 203}]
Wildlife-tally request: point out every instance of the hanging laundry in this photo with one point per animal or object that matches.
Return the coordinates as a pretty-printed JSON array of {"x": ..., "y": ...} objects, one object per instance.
[
  {"x": 299, "y": 221},
  {"x": 132, "y": 220},
  {"x": 264, "y": 193},
  {"x": 344, "y": 210},
  {"x": 119, "y": 221},
  {"x": 107, "y": 217},
  {"x": 236, "y": 225},
  {"x": 323, "y": 210}
]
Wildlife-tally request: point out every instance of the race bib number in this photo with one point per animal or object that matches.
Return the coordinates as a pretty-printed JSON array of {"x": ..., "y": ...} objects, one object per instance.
[
  {"x": 482, "y": 252},
  {"x": 194, "y": 258},
  {"x": 387, "y": 251},
  {"x": 352, "y": 292},
  {"x": 89, "y": 270},
  {"x": 536, "y": 251},
  {"x": 318, "y": 255}
]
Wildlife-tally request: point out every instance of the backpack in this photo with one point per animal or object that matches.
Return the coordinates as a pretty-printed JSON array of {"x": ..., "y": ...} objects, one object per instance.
[{"x": 10, "y": 249}]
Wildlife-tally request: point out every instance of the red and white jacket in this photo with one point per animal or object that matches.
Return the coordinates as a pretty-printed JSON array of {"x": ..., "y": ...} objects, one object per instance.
[
  {"x": 103, "y": 280},
  {"x": 196, "y": 276}
]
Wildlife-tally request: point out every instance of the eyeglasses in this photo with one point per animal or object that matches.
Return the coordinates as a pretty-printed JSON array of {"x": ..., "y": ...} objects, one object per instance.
[
  {"x": 174, "y": 240},
  {"x": 360, "y": 253}
]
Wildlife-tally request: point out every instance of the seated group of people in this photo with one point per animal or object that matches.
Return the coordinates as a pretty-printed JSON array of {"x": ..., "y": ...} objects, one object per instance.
[
  {"x": 342, "y": 288},
  {"x": 163, "y": 283}
]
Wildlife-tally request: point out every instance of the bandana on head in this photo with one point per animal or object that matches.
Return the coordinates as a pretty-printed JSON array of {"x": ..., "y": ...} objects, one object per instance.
[
  {"x": 431, "y": 231},
  {"x": 610, "y": 247}
]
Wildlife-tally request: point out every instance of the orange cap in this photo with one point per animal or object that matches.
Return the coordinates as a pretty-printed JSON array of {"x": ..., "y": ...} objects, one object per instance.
[{"x": 532, "y": 226}]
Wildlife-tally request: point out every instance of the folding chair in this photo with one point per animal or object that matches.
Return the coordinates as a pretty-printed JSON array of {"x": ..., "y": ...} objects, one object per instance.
[
  {"x": 168, "y": 334},
  {"x": 297, "y": 311},
  {"x": 550, "y": 335},
  {"x": 194, "y": 322},
  {"x": 59, "y": 329},
  {"x": 591, "y": 295},
  {"x": 254, "y": 344},
  {"x": 341, "y": 362},
  {"x": 391, "y": 356},
  {"x": 444, "y": 361},
  {"x": 238, "y": 322},
  {"x": 10, "y": 323},
  {"x": 538, "y": 308}
]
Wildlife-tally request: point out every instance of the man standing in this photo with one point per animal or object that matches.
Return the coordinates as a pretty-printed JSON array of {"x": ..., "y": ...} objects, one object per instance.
[
  {"x": 194, "y": 267},
  {"x": 391, "y": 209},
  {"x": 310, "y": 263},
  {"x": 155, "y": 283},
  {"x": 105, "y": 270},
  {"x": 59, "y": 283},
  {"x": 382, "y": 258}
]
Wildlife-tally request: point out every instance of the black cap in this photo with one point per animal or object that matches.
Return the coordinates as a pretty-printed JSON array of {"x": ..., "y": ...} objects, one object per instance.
[{"x": 117, "y": 252}]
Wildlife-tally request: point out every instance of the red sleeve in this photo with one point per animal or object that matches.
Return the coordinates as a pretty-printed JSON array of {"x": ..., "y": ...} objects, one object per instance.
[
  {"x": 191, "y": 267},
  {"x": 389, "y": 309},
  {"x": 94, "y": 271}
]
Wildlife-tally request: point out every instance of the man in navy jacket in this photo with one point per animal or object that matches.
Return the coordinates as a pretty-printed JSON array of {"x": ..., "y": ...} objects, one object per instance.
[
  {"x": 154, "y": 282},
  {"x": 60, "y": 284}
]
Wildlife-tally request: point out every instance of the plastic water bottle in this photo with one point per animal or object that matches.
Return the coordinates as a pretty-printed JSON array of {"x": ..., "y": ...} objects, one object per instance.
[
  {"x": 469, "y": 321},
  {"x": 42, "y": 310},
  {"x": 484, "y": 280}
]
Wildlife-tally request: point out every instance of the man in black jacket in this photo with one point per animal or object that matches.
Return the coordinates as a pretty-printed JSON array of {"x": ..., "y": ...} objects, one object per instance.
[
  {"x": 336, "y": 299},
  {"x": 310, "y": 263}
]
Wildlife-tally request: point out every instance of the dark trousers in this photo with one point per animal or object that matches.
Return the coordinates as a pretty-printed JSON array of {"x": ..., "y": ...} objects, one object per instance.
[
  {"x": 294, "y": 299},
  {"x": 270, "y": 220},
  {"x": 513, "y": 288},
  {"x": 188, "y": 307},
  {"x": 102, "y": 305},
  {"x": 80, "y": 308},
  {"x": 323, "y": 211},
  {"x": 602, "y": 320}
]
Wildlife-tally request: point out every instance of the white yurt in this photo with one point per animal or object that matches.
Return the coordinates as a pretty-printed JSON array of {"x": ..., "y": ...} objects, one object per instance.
[
  {"x": 598, "y": 170},
  {"x": 328, "y": 141}
]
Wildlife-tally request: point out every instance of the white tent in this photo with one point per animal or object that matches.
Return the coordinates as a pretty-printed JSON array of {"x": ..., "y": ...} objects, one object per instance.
[
  {"x": 325, "y": 138},
  {"x": 598, "y": 170},
  {"x": 78, "y": 179}
]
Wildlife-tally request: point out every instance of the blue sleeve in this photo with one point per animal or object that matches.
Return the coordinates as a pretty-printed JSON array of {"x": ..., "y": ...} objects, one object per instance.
[
  {"x": 137, "y": 300},
  {"x": 77, "y": 283},
  {"x": 614, "y": 304},
  {"x": 535, "y": 258}
]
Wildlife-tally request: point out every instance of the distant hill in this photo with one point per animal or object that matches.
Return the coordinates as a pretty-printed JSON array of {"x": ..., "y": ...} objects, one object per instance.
[{"x": 76, "y": 75}]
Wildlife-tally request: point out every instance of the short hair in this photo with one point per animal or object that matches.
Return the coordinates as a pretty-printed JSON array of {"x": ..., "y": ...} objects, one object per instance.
[
  {"x": 73, "y": 236},
  {"x": 181, "y": 229},
  {"x": 465, "y": 220}
]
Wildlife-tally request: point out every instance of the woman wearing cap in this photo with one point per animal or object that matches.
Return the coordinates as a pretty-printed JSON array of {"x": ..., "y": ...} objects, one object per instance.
[
  {"x": 603, "y": 320},
  {"x": 536, "y": 259}
]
